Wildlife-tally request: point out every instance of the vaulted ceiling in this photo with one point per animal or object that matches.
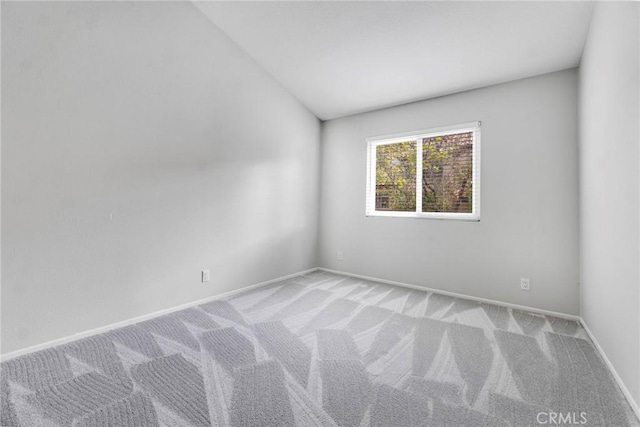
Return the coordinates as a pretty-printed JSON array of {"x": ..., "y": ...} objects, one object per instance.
[{"x": 341, "y": 58}]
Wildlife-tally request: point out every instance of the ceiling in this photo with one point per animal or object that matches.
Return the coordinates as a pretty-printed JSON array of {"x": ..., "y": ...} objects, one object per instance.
[{"x": 341, "y": 58}]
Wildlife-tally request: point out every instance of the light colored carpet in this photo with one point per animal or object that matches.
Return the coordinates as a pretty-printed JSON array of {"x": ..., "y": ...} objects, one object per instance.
[{"x": 321, "y": 350}]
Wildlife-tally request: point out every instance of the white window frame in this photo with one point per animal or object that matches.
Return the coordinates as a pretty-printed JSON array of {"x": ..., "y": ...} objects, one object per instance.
[{"x": 418, "y": 136}]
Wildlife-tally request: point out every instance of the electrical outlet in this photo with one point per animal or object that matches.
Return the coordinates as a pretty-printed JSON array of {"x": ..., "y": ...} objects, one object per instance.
[
  {"x": 525, "y": 284},
  {"x": 339, "y": 256},
  {"x": 205, "y": 276}
]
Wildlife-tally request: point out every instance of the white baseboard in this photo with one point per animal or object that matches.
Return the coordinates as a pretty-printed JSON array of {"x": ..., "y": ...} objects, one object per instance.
[
  {"x": 138, "y": 319},
  {"x": 623, "y": 387},
  {"x": 457, "y": 295}
]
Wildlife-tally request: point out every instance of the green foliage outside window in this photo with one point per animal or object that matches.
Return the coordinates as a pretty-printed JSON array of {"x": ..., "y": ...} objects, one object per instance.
[
  {"x": 396, "y": 177},
  {"x": 447, "y": 184}
]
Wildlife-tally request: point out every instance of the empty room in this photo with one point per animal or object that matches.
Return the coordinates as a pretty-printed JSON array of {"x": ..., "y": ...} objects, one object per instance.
[{"x": 318, "y": 213}]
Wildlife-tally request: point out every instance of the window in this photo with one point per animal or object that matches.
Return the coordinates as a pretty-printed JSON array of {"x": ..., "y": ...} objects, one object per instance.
[{"x": 443, "y": 184}]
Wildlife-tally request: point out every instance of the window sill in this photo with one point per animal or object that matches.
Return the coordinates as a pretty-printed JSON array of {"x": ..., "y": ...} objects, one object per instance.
[{"x": 437, "y": 216}]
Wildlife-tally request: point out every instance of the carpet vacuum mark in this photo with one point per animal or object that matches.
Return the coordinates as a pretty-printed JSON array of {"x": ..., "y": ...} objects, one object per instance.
[{"x": 321, "y": 350}]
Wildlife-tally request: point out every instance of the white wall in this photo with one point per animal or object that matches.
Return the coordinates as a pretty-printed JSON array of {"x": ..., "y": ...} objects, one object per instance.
[
  {"x": 140, "y": 146},
  {"x": 529, "y": 224},
  {"x": 609, "y": 186}
]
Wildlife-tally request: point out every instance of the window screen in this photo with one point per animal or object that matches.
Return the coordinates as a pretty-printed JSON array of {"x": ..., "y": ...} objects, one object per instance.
[{"x": 444, "y": 183}]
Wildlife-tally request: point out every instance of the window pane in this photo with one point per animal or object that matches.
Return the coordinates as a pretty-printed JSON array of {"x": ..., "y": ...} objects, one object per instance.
[
  {"x": 396, "y": 177},
  {"x": 447, "y": 167}
]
